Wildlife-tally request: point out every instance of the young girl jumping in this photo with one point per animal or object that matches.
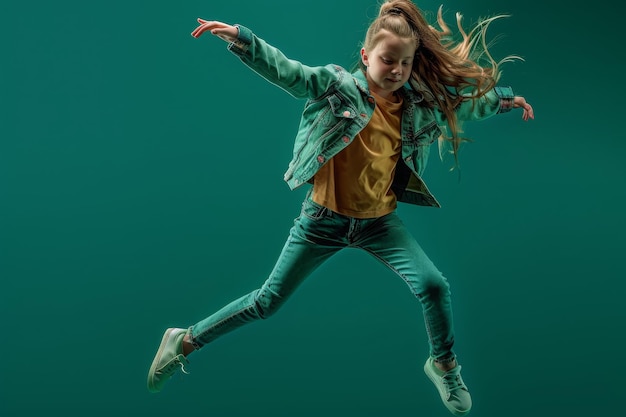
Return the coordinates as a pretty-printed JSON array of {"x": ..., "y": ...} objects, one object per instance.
[{"x": 363, "y": 144}]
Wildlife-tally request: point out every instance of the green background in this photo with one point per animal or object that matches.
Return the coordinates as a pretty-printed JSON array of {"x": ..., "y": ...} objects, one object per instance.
[{"x": 141, "y": 188}]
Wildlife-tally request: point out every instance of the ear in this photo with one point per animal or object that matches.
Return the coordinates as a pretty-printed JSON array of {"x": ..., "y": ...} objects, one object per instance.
[{"x": 365, "y": 58}]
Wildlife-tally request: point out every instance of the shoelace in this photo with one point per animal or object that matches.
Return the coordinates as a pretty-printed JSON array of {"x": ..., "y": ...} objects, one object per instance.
[
  {"x": 452, "y": 380},
  {"x": 175, "y": 362},
  {"x": 182, "y": 368}
]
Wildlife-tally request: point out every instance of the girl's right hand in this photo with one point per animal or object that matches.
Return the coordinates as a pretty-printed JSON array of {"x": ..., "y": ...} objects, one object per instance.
[{"x": 222, "y": 30}]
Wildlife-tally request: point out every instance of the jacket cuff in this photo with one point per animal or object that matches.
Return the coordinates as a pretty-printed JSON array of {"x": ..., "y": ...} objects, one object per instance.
[
  {"x": 244, "y": 39},
  {"x": 506, "y": 96}
]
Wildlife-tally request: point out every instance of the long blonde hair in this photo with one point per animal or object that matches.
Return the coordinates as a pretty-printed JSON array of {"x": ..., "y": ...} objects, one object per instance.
[{"x": 444, "y": 71}]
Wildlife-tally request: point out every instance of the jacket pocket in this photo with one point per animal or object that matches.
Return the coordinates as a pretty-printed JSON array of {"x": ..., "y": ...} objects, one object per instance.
[
  {"x": 331, "y": 114},
  {"x": 427, "y": 134},
  {"x": 340, "y": 107}
]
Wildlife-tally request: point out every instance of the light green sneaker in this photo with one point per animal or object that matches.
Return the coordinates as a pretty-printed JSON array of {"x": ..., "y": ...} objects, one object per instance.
[
  {"x": 453, "y": 391},
  {"x": 169, "y": 359}
]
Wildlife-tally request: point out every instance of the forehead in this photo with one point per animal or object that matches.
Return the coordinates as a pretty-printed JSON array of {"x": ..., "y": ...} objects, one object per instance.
[{"x": 389, "y": 42}]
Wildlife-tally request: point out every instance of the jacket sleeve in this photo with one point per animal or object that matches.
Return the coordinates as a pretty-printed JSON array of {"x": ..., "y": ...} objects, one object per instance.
[
  {"x": 297, "y": 79},
  {"x": 496, "y": 100}
]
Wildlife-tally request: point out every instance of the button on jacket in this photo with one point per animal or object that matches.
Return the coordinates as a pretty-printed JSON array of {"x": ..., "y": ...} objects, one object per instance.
[{"x": 339, "y": 105}]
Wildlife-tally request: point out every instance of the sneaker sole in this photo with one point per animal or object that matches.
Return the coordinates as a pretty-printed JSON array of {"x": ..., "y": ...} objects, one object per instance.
[{"x": 157, "y": 358}]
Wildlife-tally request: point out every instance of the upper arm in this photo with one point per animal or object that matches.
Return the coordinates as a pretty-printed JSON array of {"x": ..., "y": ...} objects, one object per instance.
[{"x": 299, "y": 80}]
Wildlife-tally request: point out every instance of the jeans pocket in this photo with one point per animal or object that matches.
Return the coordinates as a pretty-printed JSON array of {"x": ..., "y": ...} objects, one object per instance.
[{"x": 312, "y": 210}]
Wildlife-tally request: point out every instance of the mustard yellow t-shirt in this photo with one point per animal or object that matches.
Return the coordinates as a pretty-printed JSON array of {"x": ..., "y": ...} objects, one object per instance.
[{"x": 357, "y": 181}]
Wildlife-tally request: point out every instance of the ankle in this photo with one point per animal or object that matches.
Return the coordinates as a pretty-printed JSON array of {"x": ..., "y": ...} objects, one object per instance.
[
  {"x": 187, "y": 346},
  {"x": 445, "y": 367}
]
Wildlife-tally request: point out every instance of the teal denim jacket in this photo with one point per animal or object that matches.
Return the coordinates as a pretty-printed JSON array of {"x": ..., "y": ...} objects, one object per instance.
[{"x": 339, "y": 105}]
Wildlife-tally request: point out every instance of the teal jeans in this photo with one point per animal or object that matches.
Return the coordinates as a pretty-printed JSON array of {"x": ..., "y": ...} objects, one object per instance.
[{"x": 317, "y": 234}]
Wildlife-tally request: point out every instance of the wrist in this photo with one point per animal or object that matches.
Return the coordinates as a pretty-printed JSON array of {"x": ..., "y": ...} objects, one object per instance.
[
  {"x": 242, "y": 42},
  {"x": 506, "y": 96}
]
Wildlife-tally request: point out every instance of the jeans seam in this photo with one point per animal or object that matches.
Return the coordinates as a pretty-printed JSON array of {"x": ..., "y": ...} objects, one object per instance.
[
  {"x": 392, "y": 268},
  {"x": 216, "y": 325},
  {"x": 403, "y": 277}
]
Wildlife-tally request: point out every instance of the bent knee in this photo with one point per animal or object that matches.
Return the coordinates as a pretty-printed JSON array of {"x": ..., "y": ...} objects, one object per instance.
[
  {"x": 266, "y": 304},
  {"x": 435, "y": 285}
]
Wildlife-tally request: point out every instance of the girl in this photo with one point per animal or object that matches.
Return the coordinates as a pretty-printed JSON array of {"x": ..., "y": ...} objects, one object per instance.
[{"x": 363, "y": 143}]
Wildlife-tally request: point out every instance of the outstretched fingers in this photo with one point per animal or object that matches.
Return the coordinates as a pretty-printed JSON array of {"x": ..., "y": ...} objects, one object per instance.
[
  {"x": 222, "y": 30},
  {"x": 202, "y": 28},
  {"x": 528, "y": 112}
]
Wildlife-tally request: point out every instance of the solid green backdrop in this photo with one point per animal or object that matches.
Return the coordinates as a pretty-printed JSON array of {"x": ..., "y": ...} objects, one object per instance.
[{"x": 141, "y": 188}]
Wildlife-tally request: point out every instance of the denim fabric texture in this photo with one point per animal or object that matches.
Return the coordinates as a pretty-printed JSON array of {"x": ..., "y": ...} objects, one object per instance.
[
  {"x": 339, "y": 105},
  {"x": 316, "y": 235}
]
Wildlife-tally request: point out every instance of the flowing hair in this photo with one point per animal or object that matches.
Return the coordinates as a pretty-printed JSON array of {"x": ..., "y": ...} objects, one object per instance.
[{"x": 446, "y": 72}]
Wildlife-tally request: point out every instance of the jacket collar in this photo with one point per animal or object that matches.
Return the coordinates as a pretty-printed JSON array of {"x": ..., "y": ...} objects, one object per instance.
[{"x": 361, "y": 81}]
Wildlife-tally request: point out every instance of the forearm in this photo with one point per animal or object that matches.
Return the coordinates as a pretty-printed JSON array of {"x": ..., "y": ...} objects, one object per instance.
[
  {"x": 495, "y": 101},
  {"x": 299, "y": 80}
]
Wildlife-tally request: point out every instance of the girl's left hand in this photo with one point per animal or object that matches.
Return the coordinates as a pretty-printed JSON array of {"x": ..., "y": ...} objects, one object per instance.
[{"x": 528, "y": 109}]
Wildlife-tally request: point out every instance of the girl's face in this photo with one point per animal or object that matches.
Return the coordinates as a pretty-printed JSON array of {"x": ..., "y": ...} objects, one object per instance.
[{"x": 389, "y": 63}]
